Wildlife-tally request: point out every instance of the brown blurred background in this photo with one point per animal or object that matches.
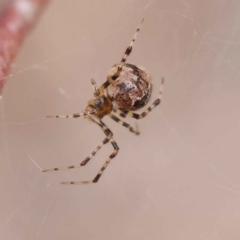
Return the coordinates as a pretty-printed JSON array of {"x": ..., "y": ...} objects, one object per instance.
[{"x": 179, "y": 179}]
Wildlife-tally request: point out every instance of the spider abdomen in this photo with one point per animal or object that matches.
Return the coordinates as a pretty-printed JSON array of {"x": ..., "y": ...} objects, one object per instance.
[{"x": 132, "y": 89}]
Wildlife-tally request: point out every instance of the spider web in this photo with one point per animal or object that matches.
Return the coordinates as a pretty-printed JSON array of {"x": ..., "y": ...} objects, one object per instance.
[{"x": 179, "y": 179}]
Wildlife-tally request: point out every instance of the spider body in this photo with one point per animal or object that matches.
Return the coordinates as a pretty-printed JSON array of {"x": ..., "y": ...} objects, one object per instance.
[
  {"x": 132, "y": 89},
  {"x": 127, "y": 89}
]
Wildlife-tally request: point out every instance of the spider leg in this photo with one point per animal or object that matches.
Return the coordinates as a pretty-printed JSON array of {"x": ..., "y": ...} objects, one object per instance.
[
  {"x": 129, "y": 48},
  {"x": 109, "y": 135},
  {"x": 75, "y": 115},
  {"x": 85, "y": 161},
  {"x": 116, "y": 119},
  {"x": 108, "y": 132},
  {"x": 119, "y": 112},
  {"x": 111, "y": 79},
  {"x": 144, "y": 113}
]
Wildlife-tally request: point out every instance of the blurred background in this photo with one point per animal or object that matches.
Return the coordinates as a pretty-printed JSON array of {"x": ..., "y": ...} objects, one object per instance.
[{"x": 179, "y": 179}]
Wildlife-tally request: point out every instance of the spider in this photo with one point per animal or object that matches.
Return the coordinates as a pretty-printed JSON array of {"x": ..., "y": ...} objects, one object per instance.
[{"x": 128, "y": 88}]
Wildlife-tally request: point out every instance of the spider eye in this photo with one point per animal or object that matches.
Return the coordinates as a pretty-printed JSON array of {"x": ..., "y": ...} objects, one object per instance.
[{"x": 98, "y": 101}]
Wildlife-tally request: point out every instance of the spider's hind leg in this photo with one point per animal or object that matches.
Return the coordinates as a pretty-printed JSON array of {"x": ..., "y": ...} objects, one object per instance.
[
  {"x": 128, "y": 51},
  {"x": 129, "y": 48}
]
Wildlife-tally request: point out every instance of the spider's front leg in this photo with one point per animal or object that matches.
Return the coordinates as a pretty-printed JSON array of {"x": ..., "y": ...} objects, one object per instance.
[
  {"x": 88, "y": 158},
  {"x": 116, "y": 148},
  {"x": 108, "y": 132},
  {"x": 75, "y": 115}
]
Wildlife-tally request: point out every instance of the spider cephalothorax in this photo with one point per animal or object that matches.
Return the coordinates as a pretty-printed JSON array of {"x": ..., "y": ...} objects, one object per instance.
[
  {"x": 100, "y": 106},
  {"x": 127, "y": 89}
]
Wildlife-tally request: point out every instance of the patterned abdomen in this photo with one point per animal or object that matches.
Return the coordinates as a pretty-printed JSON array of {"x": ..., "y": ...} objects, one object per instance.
[{"x": 132, "y": 89}]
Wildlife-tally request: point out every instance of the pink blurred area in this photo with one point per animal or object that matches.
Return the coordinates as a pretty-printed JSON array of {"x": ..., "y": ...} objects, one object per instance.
[
  {"x": 179, "y": 179},
  {"x": 17, "y": 17}
]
